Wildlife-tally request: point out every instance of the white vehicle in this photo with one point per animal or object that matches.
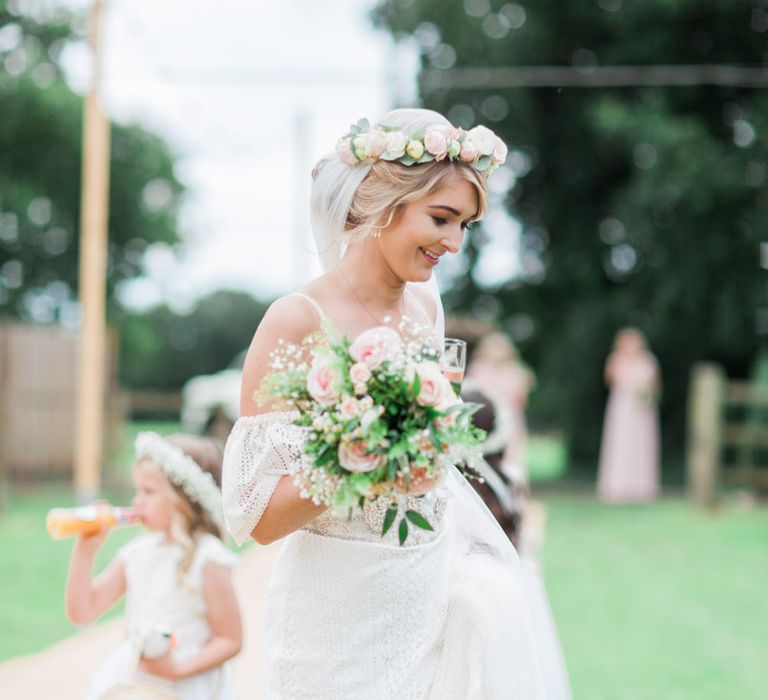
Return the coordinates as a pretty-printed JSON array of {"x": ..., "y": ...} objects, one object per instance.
[{"x": 210, "y": 403}]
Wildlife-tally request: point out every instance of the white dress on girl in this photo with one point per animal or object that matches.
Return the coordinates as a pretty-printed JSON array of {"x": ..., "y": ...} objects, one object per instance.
[
  {"x": 351, "y": 615},
  {"x": 155, "y": 596}
]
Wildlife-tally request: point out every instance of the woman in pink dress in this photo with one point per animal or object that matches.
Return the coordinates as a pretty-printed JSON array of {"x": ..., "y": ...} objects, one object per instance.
[
  {"x": 496, "y": 368},
  {"x": 629, "y": 454}
]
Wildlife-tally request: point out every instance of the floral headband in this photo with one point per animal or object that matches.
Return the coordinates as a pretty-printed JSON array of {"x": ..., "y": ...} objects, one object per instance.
[
  {"x": 479, "y": 146},
  {"x": 183, "y": 471}
]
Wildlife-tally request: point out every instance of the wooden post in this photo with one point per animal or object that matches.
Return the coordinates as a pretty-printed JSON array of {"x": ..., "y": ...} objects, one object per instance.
[
  {"x": 4, "y": 469},
  {"x": 705, "y": 419},
  {"x": 94, "y": 207}
]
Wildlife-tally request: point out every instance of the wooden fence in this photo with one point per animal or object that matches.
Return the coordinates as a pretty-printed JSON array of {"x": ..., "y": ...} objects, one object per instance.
[
  {"x": 725, "y": 418},
  {"x": 38, "y": 370}
]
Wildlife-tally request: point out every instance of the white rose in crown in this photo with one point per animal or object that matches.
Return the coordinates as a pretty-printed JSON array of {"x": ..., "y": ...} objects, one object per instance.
[
  {"x": 325, "y": 378},
  {"x": 396, "y": 142},
  {"x": 434, "y": 389},
  {"x": 483, "y": 139},
  {"x": 359, "y": 144},
  {"x": 354, "y": 457},
  {"x": 376, "y": 346},
  {"x": 500, "y": 151},
  {"x": 415, "y": 149}
]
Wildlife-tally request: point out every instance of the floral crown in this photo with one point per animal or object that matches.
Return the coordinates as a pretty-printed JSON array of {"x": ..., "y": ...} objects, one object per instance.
[
  {"x": 479, "y": 146},
  {"x": 183, "y": 471}
]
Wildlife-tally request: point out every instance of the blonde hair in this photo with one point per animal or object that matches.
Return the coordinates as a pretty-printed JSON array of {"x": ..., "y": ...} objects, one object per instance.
[
  {"x": 390, "y": 186},
  {"x": 189, "y": 519},
  {"x": 351, "y": 202}
]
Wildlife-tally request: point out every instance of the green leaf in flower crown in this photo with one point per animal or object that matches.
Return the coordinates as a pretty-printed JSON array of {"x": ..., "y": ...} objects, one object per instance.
[
  {"x": 407, "y": 160},
  {"x": 403, "y": 531},
  {"x": 426, "y": 158},
  {"x": 389, "y": 518},
  {"x": 418, "y": 519},
  {"x": 482, "y": 163},
  {"x": 417, "y": 135}
]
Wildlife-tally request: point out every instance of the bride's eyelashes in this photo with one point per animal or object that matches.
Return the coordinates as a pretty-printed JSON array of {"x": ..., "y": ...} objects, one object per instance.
[{"x": 441, "y": 221}]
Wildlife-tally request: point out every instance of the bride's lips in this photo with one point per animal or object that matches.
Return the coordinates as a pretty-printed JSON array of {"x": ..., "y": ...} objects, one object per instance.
[{"x": 430, "y": 256}]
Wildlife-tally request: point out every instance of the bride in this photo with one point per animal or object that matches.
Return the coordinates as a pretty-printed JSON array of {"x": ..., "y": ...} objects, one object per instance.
[{"x": 351, "y": 614}]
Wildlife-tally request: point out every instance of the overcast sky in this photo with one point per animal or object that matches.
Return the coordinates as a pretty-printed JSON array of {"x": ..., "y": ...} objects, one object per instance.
[{"x": 249, "y": 94}]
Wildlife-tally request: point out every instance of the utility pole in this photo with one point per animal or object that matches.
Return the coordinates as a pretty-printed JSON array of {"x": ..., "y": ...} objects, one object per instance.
[
  {"x": 94, "y": 209},
  {"x": 302, "y": 126}
]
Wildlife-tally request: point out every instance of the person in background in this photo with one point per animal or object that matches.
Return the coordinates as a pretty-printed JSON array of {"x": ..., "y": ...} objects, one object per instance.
[
  {"x": 629, "y": 453},
  {"x": 496, "y": 367}
]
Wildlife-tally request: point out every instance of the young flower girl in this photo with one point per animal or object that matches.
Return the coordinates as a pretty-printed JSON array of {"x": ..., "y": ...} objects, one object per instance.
[{"x": 177, "y": 580}]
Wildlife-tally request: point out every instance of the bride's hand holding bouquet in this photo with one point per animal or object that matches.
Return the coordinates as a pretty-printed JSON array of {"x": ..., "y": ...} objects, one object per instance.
[{"x": 381, "y": 418}]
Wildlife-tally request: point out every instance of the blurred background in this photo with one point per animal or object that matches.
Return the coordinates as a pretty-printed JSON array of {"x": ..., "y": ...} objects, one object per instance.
[{"x": 635, "y": 194}]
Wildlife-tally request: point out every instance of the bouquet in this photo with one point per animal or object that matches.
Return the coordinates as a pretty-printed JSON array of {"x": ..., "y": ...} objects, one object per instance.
[{"x": 380, "y": 416}]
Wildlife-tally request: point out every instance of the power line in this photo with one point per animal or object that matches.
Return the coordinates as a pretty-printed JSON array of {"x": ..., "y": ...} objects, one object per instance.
[{"x": 593, "y": 77}]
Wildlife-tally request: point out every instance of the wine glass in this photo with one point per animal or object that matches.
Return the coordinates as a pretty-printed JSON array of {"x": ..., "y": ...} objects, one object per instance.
[{"x": 454, "y": 361}]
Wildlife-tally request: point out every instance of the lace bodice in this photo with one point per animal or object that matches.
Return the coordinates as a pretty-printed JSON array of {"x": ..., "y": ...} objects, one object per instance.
[{"x": 262, "y": 449}]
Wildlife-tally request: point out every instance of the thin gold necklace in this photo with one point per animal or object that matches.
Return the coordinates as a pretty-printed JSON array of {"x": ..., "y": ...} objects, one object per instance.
[{"x": 364, "y": 305}]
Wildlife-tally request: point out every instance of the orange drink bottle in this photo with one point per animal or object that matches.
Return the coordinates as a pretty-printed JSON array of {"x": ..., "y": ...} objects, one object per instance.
[{"x": 87, "y": 520}]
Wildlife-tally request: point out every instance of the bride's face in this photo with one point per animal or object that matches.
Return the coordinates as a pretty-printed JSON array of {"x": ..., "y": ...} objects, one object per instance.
[{"x": 427, "y": 229}]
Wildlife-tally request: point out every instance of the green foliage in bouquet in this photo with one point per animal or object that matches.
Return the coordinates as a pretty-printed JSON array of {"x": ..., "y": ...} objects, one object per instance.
[{"x": 381, "y": 418}]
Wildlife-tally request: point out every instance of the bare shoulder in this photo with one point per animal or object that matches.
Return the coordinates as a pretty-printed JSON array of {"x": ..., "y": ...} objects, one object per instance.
[{"x": 290, "y": 318}]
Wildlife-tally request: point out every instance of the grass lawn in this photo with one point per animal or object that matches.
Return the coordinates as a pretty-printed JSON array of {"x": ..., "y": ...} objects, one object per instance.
[
  {"x": 656, "y": 602},
  {"x": 659, "y": 601}
]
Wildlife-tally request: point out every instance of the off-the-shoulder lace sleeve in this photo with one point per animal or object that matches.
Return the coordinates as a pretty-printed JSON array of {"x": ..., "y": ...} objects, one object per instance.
[{"x": 259, "y": 450}]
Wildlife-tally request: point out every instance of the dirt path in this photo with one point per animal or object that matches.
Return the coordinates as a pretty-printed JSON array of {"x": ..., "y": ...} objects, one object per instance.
[{"x": 62, "y": 670}]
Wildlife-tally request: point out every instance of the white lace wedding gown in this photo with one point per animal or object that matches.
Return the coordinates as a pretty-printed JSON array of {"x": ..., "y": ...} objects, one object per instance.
[{"x": 354, "y": 616}]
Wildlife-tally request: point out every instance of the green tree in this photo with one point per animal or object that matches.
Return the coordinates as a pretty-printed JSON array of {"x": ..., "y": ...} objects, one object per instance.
[
  {"x": 40, "y": 158},
  {"x": 639, "y": 205},
  {"x": 162, "y": 349}
]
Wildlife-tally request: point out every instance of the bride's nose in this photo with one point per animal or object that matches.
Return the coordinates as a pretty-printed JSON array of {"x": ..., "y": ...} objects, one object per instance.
[{"x": 453, "y": 239}]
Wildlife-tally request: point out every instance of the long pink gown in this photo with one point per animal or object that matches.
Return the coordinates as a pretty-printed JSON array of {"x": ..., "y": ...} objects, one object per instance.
[{"x": 629, "y": 454}]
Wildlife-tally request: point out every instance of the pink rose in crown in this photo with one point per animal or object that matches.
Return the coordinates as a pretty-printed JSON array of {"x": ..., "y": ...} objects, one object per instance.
[
  {"x": 346, "y": 154},
  {"x": 434, "y": 389},
  {"x": 376, "y": 145},
  {"x": 468, "y": 152},
  {"x": 375, "y": 346},
  {"x": 354, "y": 457},
  {"x": 499, "y": 151},
  {"x": 325, "y": 378},
  {"x": 450, "y": 132},
  {"x": 436, "y": 144}
]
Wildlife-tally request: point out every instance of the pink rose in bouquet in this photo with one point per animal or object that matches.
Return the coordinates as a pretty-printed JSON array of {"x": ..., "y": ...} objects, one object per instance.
[
  {"x": 325, "y": 378},
  {"x": 354, "y": 456},
  {"x": 376, "y": 346}
]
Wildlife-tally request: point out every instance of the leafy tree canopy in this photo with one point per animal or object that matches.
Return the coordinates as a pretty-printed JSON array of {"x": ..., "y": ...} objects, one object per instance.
[
  {"x": 40, "y": 171},
  {"x": 639, "y": 205}
]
